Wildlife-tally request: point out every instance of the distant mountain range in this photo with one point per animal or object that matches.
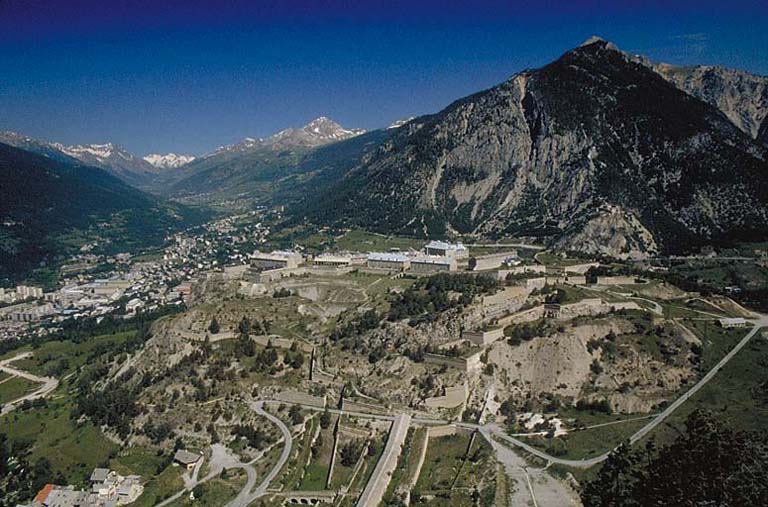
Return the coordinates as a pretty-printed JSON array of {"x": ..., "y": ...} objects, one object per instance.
[
  {"x": 115, "y": 159},
  {"x": 599, "y": 151},
  {"x": 169, "y": 160},
  {"x": 51, "y": 205},
  {"x": 258, "y": 167},
  {"x": 147, "y": 172},
  {"x": 318, "y": 132}
]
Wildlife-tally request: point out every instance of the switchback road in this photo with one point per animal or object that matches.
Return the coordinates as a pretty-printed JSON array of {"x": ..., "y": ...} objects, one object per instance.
[{"x": 48, "y": 383}]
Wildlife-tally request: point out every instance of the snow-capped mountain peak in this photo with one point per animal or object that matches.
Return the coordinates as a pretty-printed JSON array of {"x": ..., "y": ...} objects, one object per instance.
[
  {"x": 98, "y": 151},
  {"x": 316, "y": 133},
  {"x": 169, "y": 160},
  {"x": 400, "y": 123}
]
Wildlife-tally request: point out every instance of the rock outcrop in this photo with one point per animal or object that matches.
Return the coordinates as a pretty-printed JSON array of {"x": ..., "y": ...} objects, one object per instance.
[{"x": 741, "y": 96}]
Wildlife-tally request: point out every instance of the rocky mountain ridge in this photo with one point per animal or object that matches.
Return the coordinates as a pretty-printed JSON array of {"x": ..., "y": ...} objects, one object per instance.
[
  {"x": 111, "y": 157},
  {"x": 595, "y": 151},
  {"x": 318, "y": 132},
  {"x": 741, "y": 96}
]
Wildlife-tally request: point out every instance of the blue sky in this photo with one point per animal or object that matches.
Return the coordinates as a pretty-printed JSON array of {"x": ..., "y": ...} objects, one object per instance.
[{"x": 160, "y": 76}]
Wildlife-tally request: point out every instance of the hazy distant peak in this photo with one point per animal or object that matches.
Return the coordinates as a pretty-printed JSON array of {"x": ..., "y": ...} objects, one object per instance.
[
  {"x": 317, "y": 132},
  {"x": 100, "y": 151},
  {"x": 169, "y": 160}
]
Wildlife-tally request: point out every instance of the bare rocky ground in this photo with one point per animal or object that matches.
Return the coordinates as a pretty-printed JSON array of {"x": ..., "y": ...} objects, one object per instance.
[
  {"x": 531, "y": 486},
  {"x": 631, "y": 378}
]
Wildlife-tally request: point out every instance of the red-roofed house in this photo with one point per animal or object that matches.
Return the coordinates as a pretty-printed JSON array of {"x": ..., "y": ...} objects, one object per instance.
[{"x": 43, "y": 493}]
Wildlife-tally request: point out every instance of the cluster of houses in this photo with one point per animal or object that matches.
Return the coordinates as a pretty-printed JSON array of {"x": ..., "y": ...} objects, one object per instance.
[
  {"x": 133, "y": 291},
  {"x": 107, "y": 489},
  {"x": 125, "y": 285},
  {"x": 21, "y": 293}
]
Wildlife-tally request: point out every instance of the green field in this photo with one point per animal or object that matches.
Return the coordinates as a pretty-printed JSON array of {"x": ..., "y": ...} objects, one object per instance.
[
  {"x": 586, "y": 443},
  {"x": 738, "y": 393},
  {"x": 363, "y": 241},
  {"x": 716, "y": 341},
  {"x": 589, "y": 417},
  {"x": 452, "y": 471},
  {"x": 59, "y": 358},
  {"x": 363, "y": 475},
  {"x": 316, "y": 472},
  {"x": 73, "y": 447},
  {"x": 292, "y": 473},
  {"x": 405, "y": 470},
  {"x": 215, "y": 492},
  {"x": 341, "y": 474},
  {"x": 162, "y": 479},
  {"x": 734, "y": 392},
  {"x": 14, "y": 388},
  {"x": 442, "y": 462}
]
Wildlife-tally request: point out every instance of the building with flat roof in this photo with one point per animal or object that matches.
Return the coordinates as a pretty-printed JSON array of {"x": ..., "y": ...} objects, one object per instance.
[
  {"x": 732, "y": 322},
  {"x": 388, "y": 260},
  {"x": 107, "y": 489},
  {"x": 276, "y": 259},
  {"x": 455, "y": 250},
  {"x": 493, "y": 261},
  {"x": 339, "y": 259},
  {"x": 430, "y": 264},
  {"x": 187, "y": 459}
]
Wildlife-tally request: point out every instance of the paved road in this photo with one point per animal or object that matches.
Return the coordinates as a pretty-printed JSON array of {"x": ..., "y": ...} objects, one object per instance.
[
  {"x": 258, "y": 407},
  {"x": 379, "y": 480},
  {"x": 758, "y": 323},
  {"x": 530, "y": 486},
  {"x": 248, "y": 494},
  {"x": 222, "y": 457},
  {"x": 656, "y": 307},
  {"x": 541, "y": 487},
  {"x": 48, "y": 383}
]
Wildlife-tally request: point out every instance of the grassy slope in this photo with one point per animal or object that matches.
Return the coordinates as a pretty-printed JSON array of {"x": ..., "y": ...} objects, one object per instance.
[
  {"x": 73, "y": 448},
  {"x": 15, "y": 388}
]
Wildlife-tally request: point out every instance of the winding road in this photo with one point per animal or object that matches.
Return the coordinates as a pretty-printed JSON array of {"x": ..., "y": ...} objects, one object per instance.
[
  {"x": 247, "y": 495},
  {"x": 494, "y": 430},
  {"x": 221, "y": 458},
  {"x": 48, "y": 383},
  {"x": 758, "y": 323}
]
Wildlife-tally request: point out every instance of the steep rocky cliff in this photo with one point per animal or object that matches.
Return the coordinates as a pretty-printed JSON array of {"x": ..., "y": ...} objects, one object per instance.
[
  {"x": 595, "y": 151},
  {"x": 741, "y": 96}
]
